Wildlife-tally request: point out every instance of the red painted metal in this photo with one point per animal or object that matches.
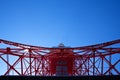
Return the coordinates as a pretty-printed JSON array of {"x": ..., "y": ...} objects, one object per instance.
[{"x": 23, "y": 59}]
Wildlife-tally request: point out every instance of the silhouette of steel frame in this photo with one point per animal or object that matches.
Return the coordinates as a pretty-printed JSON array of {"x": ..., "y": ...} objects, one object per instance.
[{"x": 36, "y": 60}]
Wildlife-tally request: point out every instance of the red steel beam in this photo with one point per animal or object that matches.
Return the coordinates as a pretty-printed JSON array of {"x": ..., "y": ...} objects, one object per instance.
[{"x": 35, "y": 60}]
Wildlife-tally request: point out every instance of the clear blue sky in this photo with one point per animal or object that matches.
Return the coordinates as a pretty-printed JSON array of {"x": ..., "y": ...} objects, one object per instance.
[{"x": 50, "y": 22}]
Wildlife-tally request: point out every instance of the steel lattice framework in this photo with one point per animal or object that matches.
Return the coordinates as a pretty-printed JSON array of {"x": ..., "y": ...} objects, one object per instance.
[{"x": 23, "y": 59}]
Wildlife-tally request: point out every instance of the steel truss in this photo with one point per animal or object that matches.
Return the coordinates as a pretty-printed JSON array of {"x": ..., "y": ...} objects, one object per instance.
[{"x": 22, "y": 59}]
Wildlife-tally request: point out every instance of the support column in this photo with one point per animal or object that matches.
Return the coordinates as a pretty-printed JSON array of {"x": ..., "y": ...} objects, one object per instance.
[
  {"x": 30, "y": 52},
  {"x": 110, "y": 64},
  {"x": 22, "y": 65},
  {"x": 102, "y": 65},
  {"x": 93, "y": 61},
  {"x": 7, "y": 56}
]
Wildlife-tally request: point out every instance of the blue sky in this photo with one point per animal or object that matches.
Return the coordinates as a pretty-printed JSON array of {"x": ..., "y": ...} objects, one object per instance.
[{"x": 50, "y": 22}]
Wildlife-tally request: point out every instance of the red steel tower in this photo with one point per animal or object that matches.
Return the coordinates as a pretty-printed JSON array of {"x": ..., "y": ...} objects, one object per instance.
[{"x": 23, "y": 59}]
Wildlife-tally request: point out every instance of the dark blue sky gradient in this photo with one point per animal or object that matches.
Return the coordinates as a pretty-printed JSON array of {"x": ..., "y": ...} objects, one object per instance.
[{"x": 50, "y": 22}]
